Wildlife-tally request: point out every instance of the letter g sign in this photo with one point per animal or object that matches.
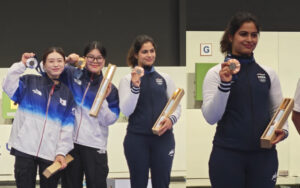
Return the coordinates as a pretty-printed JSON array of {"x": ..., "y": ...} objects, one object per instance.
[{"x": 205, "y": 49}]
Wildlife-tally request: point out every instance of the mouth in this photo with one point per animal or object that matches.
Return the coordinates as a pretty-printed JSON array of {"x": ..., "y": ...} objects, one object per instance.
[
  {"x": 149, "y": 60},
  {"x": 248, "y": 46},
  {"x": 56, "y": 70},
  {"x": 95, "y": 65}
]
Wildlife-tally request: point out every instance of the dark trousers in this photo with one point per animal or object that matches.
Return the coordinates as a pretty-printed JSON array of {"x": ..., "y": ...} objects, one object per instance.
[
  {"x": 26, "y": 170},
  {"x": 89, "y": 162},
  {"x": 240, "y": 169},
  {"x": 152, "y": 152}
]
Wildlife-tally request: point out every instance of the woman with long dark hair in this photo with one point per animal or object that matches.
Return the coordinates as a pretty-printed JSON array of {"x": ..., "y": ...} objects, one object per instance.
[
  {"x": 143, "y": 95},
  {"x": 242, "y": 104}
]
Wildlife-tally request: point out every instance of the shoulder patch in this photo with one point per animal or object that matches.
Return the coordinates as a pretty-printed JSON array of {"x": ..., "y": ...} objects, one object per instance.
[
  {"x": 159, "y": 81},
  {"x": 261, "y": 77}
]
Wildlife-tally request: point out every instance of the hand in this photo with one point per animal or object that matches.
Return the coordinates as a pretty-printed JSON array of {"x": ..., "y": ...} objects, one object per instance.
[
  {"x": 230, "y": 67},
  {"x": 279, "y": 136},
  {"x": 26, "y": 56},
  {"x": 166, "y": 125},
  {"x": 225, "y": 73},
  {"x": 136, "y": 75},
  {"x": 61, "y": 159},
  {"x": 72, "y": 58}
]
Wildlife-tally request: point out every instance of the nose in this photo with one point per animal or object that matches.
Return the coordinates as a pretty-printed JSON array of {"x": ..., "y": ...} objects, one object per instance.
[
  {"x": 55, "y": 63},
  {"x": 249, "y": 38}
]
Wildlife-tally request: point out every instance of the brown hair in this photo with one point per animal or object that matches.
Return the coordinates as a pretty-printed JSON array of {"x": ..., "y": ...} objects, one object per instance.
[
  {"x": 135, "y": 48},
  {"x": 234, "y": 24}
]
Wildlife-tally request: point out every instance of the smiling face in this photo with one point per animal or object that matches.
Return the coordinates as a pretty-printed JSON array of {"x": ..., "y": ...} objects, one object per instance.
[
  {"x": 146, "y": 55},
  {"x": 54, "y": 65},
  {"x": 245, "y": 39},
  {"x": 94, "y": 61}
]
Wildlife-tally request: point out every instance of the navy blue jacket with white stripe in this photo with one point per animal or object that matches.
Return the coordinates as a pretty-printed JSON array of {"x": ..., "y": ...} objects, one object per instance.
[
  {"x": 242, "y": 108},
  {"x": 44, "y": 122},
  {"x": 144, "y": 105},
  {"x": 90, "y": 131}
]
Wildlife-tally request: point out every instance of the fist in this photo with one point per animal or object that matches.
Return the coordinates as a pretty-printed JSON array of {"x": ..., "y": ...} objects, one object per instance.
[
  {"x": 136, "y": 75},
  {"x": 26, "y": 56}
]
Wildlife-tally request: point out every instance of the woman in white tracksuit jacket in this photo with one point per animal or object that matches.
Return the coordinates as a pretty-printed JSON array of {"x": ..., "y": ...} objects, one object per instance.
[
  {"x": 91, "y": 133},
  {"x": 43, "y": 125}
]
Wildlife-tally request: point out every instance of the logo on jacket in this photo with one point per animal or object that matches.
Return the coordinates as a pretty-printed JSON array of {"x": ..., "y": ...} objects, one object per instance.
[
  {"x": 159, "y": 81},
  {"x": 274, "y": 177},
  {"x": 63, "y": 102},
  {"x": 77, "y": 81},
  {"x": 36, "y": 91},
  {"x": 171, "y": 153},
  {"x": 261, "y": 77}
]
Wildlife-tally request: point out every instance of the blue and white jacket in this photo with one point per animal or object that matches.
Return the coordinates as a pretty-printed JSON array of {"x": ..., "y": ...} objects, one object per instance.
[
  {"x": 90, "y": 131},
  {"x": 44, "y": 121},
  {"x": 243, "y": 107},
  {"x": 144, "y": 105}
]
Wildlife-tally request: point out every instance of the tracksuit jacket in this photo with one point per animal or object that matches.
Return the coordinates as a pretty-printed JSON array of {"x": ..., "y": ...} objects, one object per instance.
[
  {"x": 90, "y": 131},
  {"x": 243, "y": 107},
  {"x": 44, "y": 122},
  {"x": 144, "y": 105}
]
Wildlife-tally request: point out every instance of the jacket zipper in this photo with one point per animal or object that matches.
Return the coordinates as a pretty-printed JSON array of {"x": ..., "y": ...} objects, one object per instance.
[
  {"x": 45, "y": 122},
  {"x": 85, "y": 92},
  {"x": 251, "y": 101}
]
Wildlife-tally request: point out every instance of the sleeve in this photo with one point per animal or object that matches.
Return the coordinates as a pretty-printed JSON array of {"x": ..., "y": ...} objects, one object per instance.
[
  {"x": 276, "y": 95},
  {"x": 297, "y": 98},
  {"x": 66, "y": 76},
  {"x": 12, "y": 84},
  {"x": 109, "y": 111},
  {"x": 215, "y": 95},
  {"x": 65, "y": 143},
  {"x": 171, "y": 88},
  {"x": 128, "y": 95}
]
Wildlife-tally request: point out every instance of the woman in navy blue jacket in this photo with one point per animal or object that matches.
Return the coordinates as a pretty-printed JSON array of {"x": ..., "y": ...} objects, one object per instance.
[
  {"x": 143, "y": 95},
  {"x": 43, "y": 125},
  {"x": 242, "y": 105}
]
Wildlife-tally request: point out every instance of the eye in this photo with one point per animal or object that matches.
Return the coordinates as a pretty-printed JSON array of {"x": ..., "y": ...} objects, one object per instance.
[
  {"x": 243, "y": 34},
  {"x": 254, "y": 35},
  {"x": 152, "y": 50}
]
